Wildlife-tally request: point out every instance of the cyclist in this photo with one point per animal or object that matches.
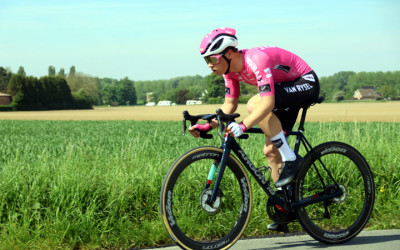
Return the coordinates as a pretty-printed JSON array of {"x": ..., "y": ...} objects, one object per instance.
[{"x": 285, "y": 83}]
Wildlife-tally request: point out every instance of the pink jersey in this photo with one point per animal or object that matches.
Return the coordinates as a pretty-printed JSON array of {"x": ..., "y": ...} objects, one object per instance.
[{"x": 263, "y": 67}]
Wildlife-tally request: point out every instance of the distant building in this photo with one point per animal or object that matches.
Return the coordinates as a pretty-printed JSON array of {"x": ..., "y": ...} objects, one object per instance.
[
  {"x": 5, "y": 99},
  {"x": 149, "y": 97},
  {"x": 164, "y": 103},
  {"x": 193, "y": 102},
  {"x": 366, "y": 92}
]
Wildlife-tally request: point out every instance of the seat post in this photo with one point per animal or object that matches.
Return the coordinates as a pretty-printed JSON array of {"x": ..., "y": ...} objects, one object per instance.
[
  {"x": 303, "y": 118},
  {"x": 300, "y": 130}
]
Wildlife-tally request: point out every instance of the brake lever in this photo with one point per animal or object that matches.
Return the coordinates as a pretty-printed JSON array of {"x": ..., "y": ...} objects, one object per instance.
[
  {"x": 184, "y": 126},
  {"x": 193, "y": 120},
  {"x": 185, "y": 114},
  {"x": 220, "y": 124}
]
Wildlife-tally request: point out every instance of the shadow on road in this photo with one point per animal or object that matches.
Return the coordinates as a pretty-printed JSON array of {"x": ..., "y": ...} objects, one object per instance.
[{"x": 358, "y": 241}]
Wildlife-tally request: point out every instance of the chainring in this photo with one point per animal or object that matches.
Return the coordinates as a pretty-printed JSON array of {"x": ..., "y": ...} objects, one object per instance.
[{"x": 278, "y": 214}]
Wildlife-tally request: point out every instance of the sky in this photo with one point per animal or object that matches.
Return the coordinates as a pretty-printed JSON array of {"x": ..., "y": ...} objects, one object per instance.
[{"x": 159, "y": 39}]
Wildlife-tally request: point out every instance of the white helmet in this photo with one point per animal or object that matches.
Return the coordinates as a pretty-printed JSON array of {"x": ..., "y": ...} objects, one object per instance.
[{"x": 217, "y": 41}]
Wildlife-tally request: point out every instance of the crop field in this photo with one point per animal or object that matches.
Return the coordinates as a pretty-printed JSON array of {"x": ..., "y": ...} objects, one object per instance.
[
  {"x": 325, "y": 112},
  {"x": 91, "y": 179}
]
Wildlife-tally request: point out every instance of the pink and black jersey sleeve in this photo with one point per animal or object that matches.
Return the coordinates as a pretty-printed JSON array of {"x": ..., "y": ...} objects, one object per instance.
[{"x": 232, "y": 87}]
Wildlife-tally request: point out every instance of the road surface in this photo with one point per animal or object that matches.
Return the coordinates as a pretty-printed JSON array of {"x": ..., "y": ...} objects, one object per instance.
[{"x": 366, "y": 240}]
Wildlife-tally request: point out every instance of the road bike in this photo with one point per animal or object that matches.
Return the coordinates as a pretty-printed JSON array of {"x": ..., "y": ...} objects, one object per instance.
[{"x": 206, "y": 198}]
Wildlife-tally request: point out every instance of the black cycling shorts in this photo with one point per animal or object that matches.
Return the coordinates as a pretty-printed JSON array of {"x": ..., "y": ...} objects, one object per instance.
[{"x": 291, "y": 96}]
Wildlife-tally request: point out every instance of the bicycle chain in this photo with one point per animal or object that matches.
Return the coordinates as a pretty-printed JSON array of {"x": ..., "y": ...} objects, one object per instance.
[{"x": 278, "y": 214}]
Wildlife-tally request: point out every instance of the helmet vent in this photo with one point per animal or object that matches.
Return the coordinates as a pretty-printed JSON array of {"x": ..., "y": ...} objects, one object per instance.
[{"x": 217, "y": 45}]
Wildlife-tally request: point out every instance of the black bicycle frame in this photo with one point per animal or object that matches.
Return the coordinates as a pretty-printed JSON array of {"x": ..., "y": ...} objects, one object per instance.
[{"x": 230, "y": 144}]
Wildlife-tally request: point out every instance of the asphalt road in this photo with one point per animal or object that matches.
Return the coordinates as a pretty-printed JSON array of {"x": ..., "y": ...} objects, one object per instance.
[{"x": 366, "y": 240}]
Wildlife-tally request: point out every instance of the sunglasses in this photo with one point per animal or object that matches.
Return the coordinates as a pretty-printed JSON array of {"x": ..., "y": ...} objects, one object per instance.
[{"x": 213, "y": 59}]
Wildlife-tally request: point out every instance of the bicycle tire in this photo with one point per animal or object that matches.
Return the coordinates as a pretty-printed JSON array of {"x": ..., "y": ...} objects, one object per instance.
[
  {"x": 349, "y": 213},
  {"x": 187, "y": 223}
]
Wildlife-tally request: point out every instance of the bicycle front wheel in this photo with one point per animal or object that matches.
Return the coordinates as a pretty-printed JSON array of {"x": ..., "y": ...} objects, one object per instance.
[
  {"x": 190, "y": 220},
  {"x": 339, "y": 219}
]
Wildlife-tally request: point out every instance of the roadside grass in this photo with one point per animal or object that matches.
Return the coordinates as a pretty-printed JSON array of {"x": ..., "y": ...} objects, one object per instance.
[{"x": 96, "y": 184}]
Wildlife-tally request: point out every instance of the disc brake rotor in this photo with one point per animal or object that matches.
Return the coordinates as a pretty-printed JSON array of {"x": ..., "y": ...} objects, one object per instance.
[
  {"x": 210, "y": 208},
  {"x": 330, "y": 189}
]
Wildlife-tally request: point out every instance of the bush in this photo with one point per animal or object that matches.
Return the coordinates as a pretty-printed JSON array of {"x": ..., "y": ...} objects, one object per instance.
[
  {"x": 244, "y": 99},
  {"x": 338, "y": 96},
  {"x": 215, "y": 100},
  {"x": 82, "y": 100},
  {"x": 46, "y": 93},
  {"x": 9, "y": 107}
]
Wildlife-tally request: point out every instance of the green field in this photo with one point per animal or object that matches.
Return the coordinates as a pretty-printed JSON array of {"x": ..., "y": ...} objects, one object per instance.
[{"x": 96, "y": 184}]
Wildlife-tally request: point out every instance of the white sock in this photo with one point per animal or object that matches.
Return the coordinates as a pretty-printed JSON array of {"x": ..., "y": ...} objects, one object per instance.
[{"x": 280, "y": 142}]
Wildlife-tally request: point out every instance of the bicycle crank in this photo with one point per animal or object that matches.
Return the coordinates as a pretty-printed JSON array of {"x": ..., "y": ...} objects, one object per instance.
[
  {"x": 278, "y": 214},
  {"x": 205, "y": 204}
]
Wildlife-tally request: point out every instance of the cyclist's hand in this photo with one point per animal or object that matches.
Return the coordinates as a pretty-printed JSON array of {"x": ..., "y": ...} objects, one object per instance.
[
  {"x": 236, "y": 129},
  {"x": 195, "y": 130}
]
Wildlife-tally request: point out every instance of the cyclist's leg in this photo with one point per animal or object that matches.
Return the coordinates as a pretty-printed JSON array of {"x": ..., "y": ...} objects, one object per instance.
[
  {"x": 290, "y": 97},
  {"x": 286, "y": 120},
  {"x": 273, "y": 157},
  {"x": 273, "y": 124},
  {"x": 269, "y": 125}
]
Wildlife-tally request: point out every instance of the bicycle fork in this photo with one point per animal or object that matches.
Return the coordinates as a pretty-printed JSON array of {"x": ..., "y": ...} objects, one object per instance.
[
  {"x": 211, "y": 173},
  {"x": 222, "y": 165}
]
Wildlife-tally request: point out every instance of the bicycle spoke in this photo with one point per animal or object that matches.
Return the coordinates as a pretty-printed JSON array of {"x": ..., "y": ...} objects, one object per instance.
[
  {"x": 343, "y": 216},
  {"x": 188, "y": 210},
  {"x": 190, "y": 216},
  {"x": 345, "y": 171}
]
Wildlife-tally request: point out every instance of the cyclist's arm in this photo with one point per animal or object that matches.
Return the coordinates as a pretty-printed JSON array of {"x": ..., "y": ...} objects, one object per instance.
[
  {"x": 266, "y": 89},
  {"x": 230, "y": 105}
]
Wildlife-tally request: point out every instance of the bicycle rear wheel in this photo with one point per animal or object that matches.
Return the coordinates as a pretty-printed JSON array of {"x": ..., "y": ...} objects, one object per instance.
[
  {"x": 190, "y": 221},
  {"x": 341, "y": 218}
]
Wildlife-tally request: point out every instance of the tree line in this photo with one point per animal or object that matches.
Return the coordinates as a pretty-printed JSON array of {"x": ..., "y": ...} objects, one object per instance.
[
  {"x": 50, "y": 92},
  {"x": 89, "y": 90},
  {"x": 342, "y": 85},
  {"x": 211, "y": 88},
  {"x": 45, "y": 93},
  {"x": 63, "y": 91}
]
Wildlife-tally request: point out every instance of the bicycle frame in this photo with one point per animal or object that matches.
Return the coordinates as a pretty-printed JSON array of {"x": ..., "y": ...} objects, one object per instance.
[
  {"x": 230, "y": 144},
  {"x": 227, "y": 193}
]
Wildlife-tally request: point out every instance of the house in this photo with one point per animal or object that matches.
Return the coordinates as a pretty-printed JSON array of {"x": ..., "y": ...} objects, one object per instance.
[
  {"x": 5, "y": 99},
  {"x": 164, "y": 103},
  {"x": 193, "y": 102},
  {"x": 366, "y": 92},
  {"x": 151, "y": 104}
]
